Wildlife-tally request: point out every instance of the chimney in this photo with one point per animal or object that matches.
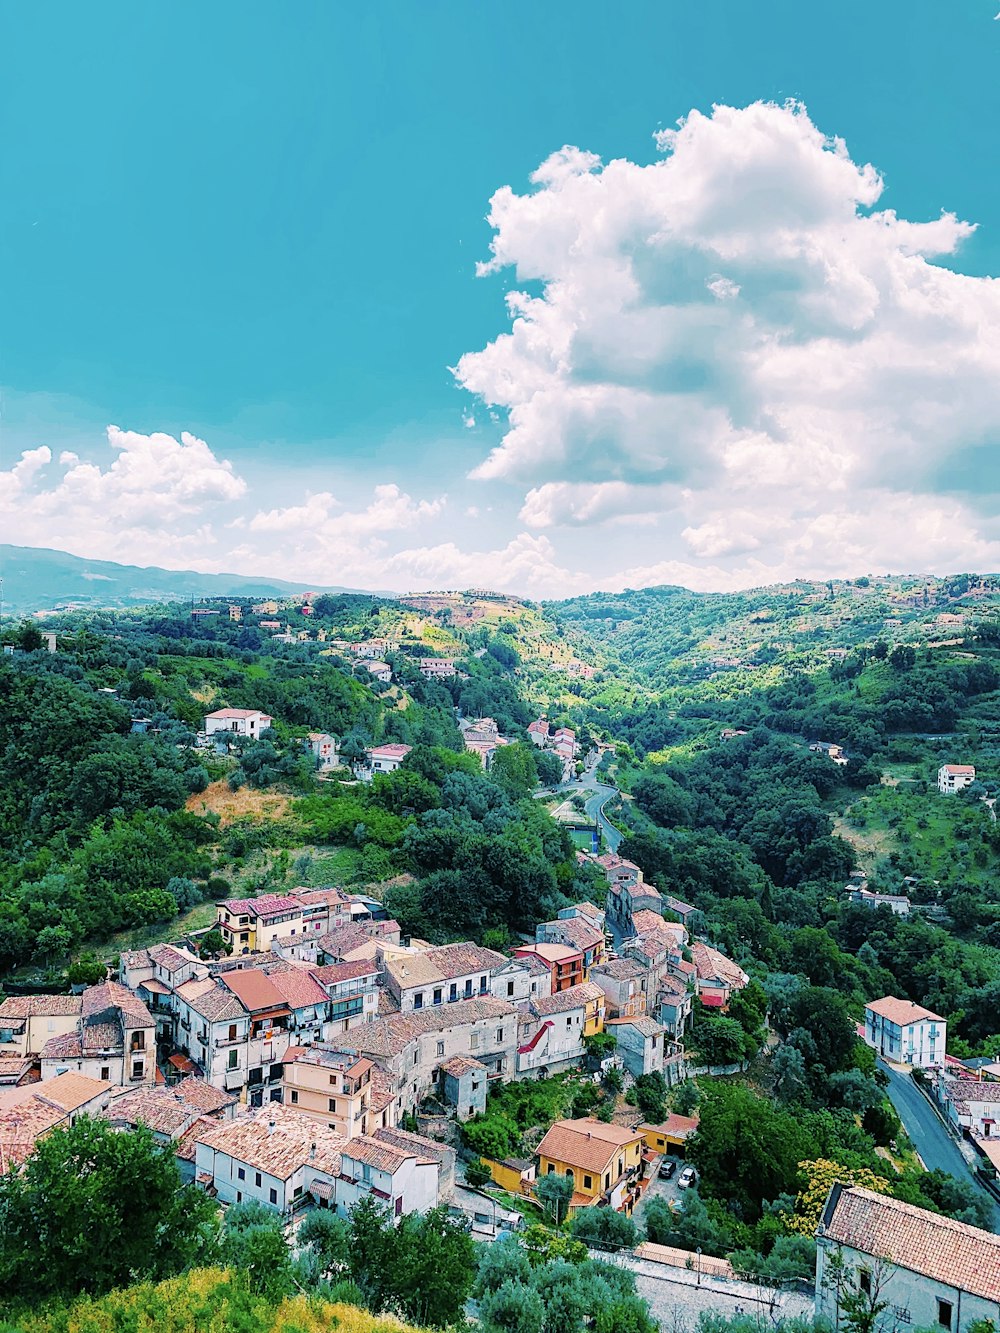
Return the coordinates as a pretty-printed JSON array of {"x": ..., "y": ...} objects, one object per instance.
[
  {"x": 270, "y": 1126},
  {"x": 312, "y": 1150}
]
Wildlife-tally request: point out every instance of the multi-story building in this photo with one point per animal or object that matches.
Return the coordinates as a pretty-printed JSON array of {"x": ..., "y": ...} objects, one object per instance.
[
  {"x": 955, "y": 777},
  {"x": 250, "y": 925},
  {"x": 602, "y": 1161},
  {"x": 410, "y": 1047},
  {"x": 250, "y": 723},
  {"x": 27, "y": 1022},
  {"x": 576, "y": 932},
  {"x": 277, "y": 1157},
  {"x": 626, "y": 984},
  {"x": 352, "y": 990},
  {"x": 565, "y": 963},
  {"x": 916, "y": 1268},
  {"x": 446, "y": 975},
  {"x": 906, "y": 1033},
  {"x": 114, "y": 1040},
  {"x": 333, "y": 1087},
  {"x": 551, "y": 1031}
]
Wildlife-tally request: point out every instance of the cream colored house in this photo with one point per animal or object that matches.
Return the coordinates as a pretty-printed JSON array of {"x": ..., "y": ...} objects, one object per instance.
[{"x": 27, "y": 1022}]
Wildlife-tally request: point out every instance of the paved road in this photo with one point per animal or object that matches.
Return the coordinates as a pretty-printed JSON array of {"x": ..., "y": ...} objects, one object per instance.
[
  {"x": 936, "y": 1147},
  {"x": 594, "y": 807}
]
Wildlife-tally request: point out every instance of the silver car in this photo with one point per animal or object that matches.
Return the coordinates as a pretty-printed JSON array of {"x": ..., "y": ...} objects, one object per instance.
[{"x": 687, "y": 1178}]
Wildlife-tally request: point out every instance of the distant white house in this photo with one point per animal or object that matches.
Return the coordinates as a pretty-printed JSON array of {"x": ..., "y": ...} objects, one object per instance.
[
  {"x": 380, "y": 670},
  {"x": 954, "y": 777},
  {"x": 905, "y": 1032},
  {"x": 250, "y": 722},
  {"x": 323, "y": 748},
  {"x": 897, "y": 903},
  {"x": 437, "y": 668},
  {"x": 383, "y": 759}
]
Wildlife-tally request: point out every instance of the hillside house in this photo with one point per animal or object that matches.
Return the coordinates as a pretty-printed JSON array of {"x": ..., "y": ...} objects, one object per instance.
[
  {"x": 640, "y": 1044},
  {"x": 955, "y": 777},
  {"x": 971, "y": 1106},
  {"x": 437, "y": 668},
  {"x": 575, "y": 932},
  {"x": 928, "y": 1271},
  {"x": 28, "y": 1113},
  {"x": 333, "y": 1087},
  {"x": 248, "y": 722},
  {"x": 324, "y": 748},
  {"x": 602, "y": 1161},
  {"x": 716, "y": 976},
  {"x": 383, "y": 759},
  {"x": 897, "y": 903},
  {"x": 352, "y": 991},
  {"x": 905, "y": 1032},
  {"x": 625, "y": 983}
]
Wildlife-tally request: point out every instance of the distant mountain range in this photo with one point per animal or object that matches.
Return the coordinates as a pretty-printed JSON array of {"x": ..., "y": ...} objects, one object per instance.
[{"x": 37, "y": 579}]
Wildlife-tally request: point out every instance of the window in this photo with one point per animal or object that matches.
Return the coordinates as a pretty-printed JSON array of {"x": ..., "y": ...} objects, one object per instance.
[
  {"x": 588, "y": 1182},
  {"x": 510, "y": 989},
  {"x": 418, "y": 1000},
  {"x": 437, "y": 995},
  {"x": 232, "y": 1031},
  {"x": 241, "y": 1173},
  {"x": 551, "y": 1169},
  {"x": 865, "y": 1281},
  {"x": 239, "y": 1196},
  {"x": 474, "y": 1041},
  {"x": 440, "y": 1048},
  {"x": 294, "y": 1096},
  {"x": 137, "y": 1069},
  {"x": 273, "y": 1195},
  {"x": 607, "y": 1181},
  {"x": 234, "y": 1059},
  {"x": 453, "y": 991},
  {"x": 105, "y": 1072},
  {"x": 332, "y": 1105},
  {"x": 944, "y": 1313},
  {"x": 569, "y": 1022},
  {"x": 499, "y": 1035},
  {"x": 333, "y": 1080}
]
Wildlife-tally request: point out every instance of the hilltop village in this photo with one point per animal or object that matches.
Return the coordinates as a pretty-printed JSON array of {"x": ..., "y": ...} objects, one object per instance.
[{"x": 432, "y": 910}]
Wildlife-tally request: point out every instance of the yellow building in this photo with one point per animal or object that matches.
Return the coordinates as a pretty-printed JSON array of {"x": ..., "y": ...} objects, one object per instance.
[
  {"x": 514, "y": 1174},
  {"x": 603, "y": 1161},
  {"x": 672, "y": 1135},
  {"x": 338, "y": 1089},
  {"x": 27, "y": 1022}
]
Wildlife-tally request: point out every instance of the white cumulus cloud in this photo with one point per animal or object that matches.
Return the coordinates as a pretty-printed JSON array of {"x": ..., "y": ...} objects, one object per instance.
[{"x": 736, "y": 343}]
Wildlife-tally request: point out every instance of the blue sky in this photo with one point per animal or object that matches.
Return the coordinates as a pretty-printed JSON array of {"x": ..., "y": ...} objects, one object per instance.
[{"x": 259, "y": 226}]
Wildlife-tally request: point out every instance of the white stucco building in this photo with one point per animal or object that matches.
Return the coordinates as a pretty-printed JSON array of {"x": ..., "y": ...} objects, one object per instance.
[
  {"x": 249, "y": 722},
  {"x": 929, "y": 1271},
  {"x": 905, "y": 1032},
  {"x": 954, "y": 777}
]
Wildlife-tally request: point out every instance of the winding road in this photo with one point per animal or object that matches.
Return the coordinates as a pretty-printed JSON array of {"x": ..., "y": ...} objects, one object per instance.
[
  {"x": 595, "y": 804},
  {"x": 937, "y": 1149}
]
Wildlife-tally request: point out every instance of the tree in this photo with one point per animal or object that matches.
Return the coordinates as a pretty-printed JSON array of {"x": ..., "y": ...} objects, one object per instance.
[
  {"x": 817, "y": 1179},
  {"x": 254, "y": 1245},
  {"x": 328, "y": 1237},
  {"x": 554, "y": 1193},
  {"x": 651, "y": 1097},
  {"x": 106, "y": 1208},
  {"x": 604, "y": 1227},
  {"x": 477, "y": 1173},
  {"x": 512, "y": 1308},
  {"x": 686, "y": 1098}
]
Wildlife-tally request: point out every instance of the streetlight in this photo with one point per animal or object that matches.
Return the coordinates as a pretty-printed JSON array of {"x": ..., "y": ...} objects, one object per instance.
[{"x": 698, "y": 1253}]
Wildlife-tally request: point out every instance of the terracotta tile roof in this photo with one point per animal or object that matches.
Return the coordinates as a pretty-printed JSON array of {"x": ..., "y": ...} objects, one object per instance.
[
  {"x": 158, "y": 1108},
  {"x": 577, "y": 933},
  {"x": 968, "y": 1092},
  {"x": 549, "y": 953},
  {"x": 44, "y": 1006},
  {"x": 901, "y": 1012},
  {"x": 203, "y": 1096},
  {"x": 417, "y": 1143},
  {"x": 619, "y": 969},
  {"x": 532, "y": 964},
  {"x": 381, "y": 1091},
  {"x": 173, "y": 959},
  {"x": 21, "y": 1124},
  {"x": 133, "y": 958},
  {"x": 108, "y": 996},
  {"x": 710, "y": 963},
  {"x": 374, "y": 1152},
  {"x": 679, "y": 1126},
  {"x": 391, "y": 1035},
  {"x": 267, "y": 905},
  {"x": 464, "y": 1064},
  {"x": 212, "y": 1001},
  {"x": 442, "y": 964},
  {"x": 926, "y": 1243},
  {"x": 573, "y": 997},
  {"x": 67, "y": 1046},
  {"x": 281, "y": 1150},
  {"x": 644, "y": 1025},
  {"x": 389, "y": 751},
  {"x": 646, "y": 921},
  {"x": 344, "y": 940},
  {"x": 333, "y": 974},
  {"x": 186, "y": 1145},
  {"x": 254, "y": 989},
  {"x": 153, "y": 986},
  {"x": 586, "y": 1144},
  {"x": 298, "y": 988},
  {"x": 98, "y": 1036}
]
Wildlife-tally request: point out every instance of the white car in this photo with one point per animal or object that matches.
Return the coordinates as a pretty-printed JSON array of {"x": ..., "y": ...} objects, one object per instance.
[{"x": 687, "y": 1178}]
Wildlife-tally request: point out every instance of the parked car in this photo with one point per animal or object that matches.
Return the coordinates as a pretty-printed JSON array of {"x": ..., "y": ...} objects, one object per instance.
[
  {"x": 667, "y": 1168},
  {"x": 687, "y": 1178}
]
